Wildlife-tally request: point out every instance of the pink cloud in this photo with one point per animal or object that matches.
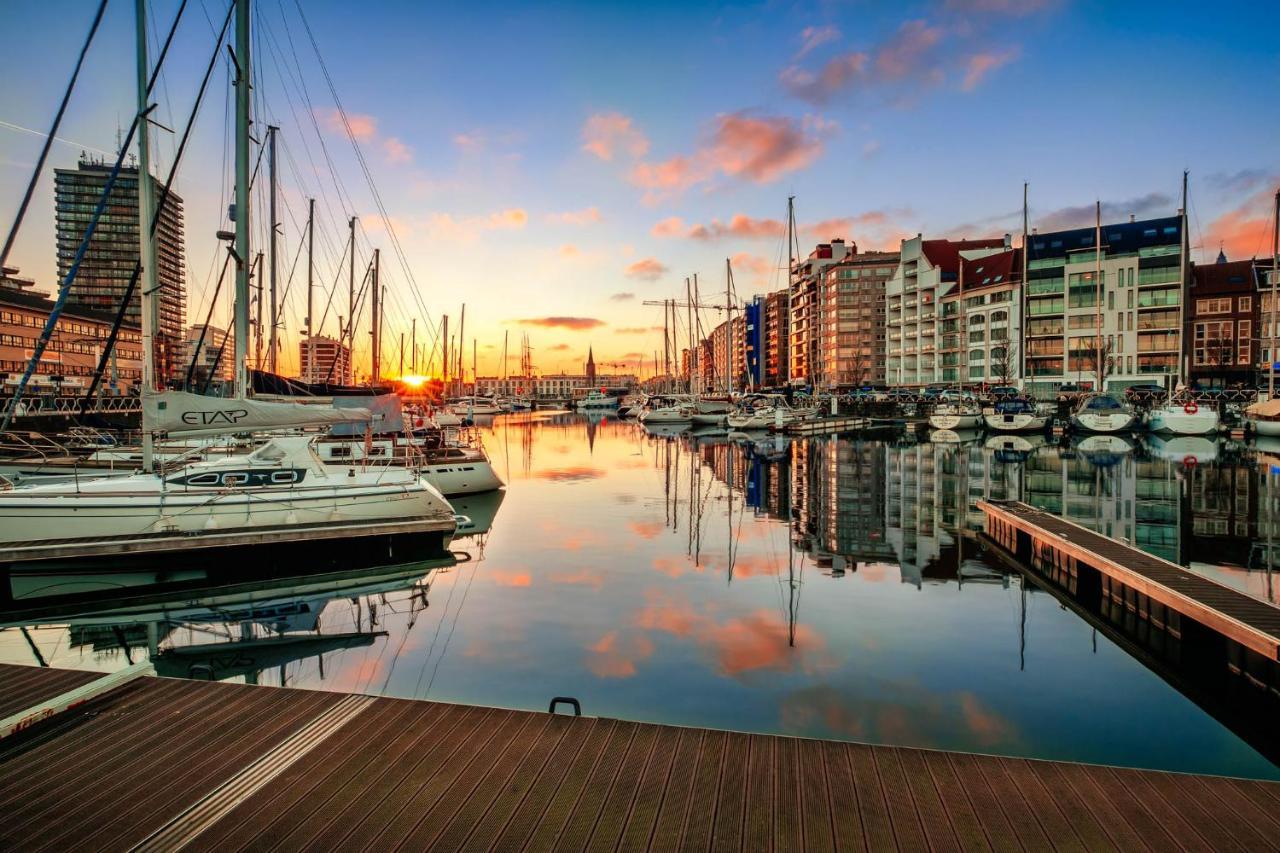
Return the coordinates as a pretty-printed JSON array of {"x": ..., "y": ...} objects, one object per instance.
[
  {"x": 672, "y": 226},
  {"x": 363, "y": 127},
  {"x": 568, "y": 250},
  {"x": 905, "y": 54},
  {"x": 759, "y": 149},
  {"x": 396, "y": 151},
  {"x": 1243, "y": 232},
  {"x": 646, "y": 269},
  {"x": 813, "y": 37},
  {"x": 981, "y": 64},
  {"x": 605, "y": 134},
  {"x": 445, "y": 226},
  {"x": 752, "y": 264},
  {"x": 1014, "y": 8},
  {"x": 834, "y": 76},
  {"x": 586, "y": 216},
  {"x": 614, "y": 656}
]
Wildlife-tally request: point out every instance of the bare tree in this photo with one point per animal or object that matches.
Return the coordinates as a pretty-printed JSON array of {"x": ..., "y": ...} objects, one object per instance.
[
  {"x": 1004, "y": 362},
  {"x": 1220, "y": 352},
  {"x": 1100, "y": 360}
]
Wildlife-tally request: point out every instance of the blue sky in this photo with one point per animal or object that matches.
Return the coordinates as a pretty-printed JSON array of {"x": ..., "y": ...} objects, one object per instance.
[{"x": 538, "y": 164}]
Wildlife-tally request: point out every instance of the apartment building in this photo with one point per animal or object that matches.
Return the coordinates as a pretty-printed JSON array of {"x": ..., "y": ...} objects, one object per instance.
[
  {"x": 927, "y": 271},
  {"x": 851, "y": 339},
  {"x": 324, "y": 360},
  {"x": 776, "y": 366},
  {"x": 808, "y": 292},
  {"x": 1134, "y": 290},
  {"x": 1224, "y": 310},
  {"x": 981, "y": 331}
]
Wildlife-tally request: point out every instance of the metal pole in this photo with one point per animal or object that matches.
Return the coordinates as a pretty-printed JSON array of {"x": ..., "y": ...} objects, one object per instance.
[
  {"x": 1022, "y": 301},
  {"x": 242, "y": 199},
  {"x": 146, "y": 211},
  {"x": 351, "y": 291},
  {"x": 311, "y": 262},
  {"x": 1097, "y": 286},
  {"x": 271, "y": 246},
  {"x": 413, "y": 346},
  {"x": 376, "y": 319},
  {"x": 1275, "y": 280}
]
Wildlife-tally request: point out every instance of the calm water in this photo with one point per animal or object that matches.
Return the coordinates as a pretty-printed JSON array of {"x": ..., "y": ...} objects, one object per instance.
[{"x": 812, "y": 588}]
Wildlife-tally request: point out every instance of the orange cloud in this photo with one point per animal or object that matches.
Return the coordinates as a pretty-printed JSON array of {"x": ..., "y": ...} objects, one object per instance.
[
  {"x": 576, "y": 324},
  {"x": 647, "y": 269},
  {"x": 759, "y": 149},
  {"x": 605, "y": 134},
  {"x": 446, "y": 227},
  {"x": 624, "y": 296},
  {"x": 505, "y": 577},
  {"x": 637, "y": 330},
  {"x": 612, "y": 657},
  {"x": 1244, "y": 232},
  {"x": 396, "y": 151},
  {"x": 568, "y": 250},
  {"x": 362, "y": 127},
  {"x": 582, "y": 577},
  {"x": 586, "y": 216},
  {"x": 981, "y": 64},
  {"x": 672, "y": 226}
]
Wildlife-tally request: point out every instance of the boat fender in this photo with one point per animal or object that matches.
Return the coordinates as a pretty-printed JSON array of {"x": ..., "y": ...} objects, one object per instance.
[
  {"x": 1190, "y": 461},
  {"x": 1191, "y": 408}
]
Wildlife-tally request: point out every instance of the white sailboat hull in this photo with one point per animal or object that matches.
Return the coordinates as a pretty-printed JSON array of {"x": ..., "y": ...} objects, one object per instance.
[
  {"x": 1265, "y": 427},
  {"x": 955, "y": 422},
  {"x": 1103, "y": 423},
  {"x": 1176, "y": 420},
  {"x": 664, "y": 416},
  {"x": 1021, "y": 422}
]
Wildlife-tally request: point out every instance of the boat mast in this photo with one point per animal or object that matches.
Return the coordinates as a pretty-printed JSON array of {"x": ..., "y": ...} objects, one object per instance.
[
  {"x": 413, "y": 346},
  {"x": 960, "y": 322},
  {"x": 311, "y": 266},
  {"x": 1097, "y": 287},
  {"x": 351, "y": 297},
  {"x": 242, "y": 199},
  {"x": 728, "y": 338},
  {"x": 1275, "y": 281},
  {"x": 375, "y": 307},
  {"x": 1022, "y": 301},
  {"x": 688, "y": 296},
  {"x": 1184, "y": 367},
  {"x": 791, "y": 262},
  {"x": 147, "y": 245},
  {"x": 462, "y": 344},
  {"x": 271, "y": 245}
]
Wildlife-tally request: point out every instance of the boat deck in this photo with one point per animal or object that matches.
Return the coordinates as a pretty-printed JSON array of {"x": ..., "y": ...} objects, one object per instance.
[
  {"x": 1249, "y": 621},
  {"x": 162, "y": 764}
]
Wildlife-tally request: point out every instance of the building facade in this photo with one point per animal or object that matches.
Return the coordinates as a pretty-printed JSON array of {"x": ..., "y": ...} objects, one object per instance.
[
  {"x": 72, "y": 355},
  {"x": 808, "y": 297},
  {"x": 851, "y": 340},
  {"x": 209, "y": 353},
  {"x": 776, "y": 367},
  {"x": 981, "y": 330},
  {"x": 1138, "y": 301},
  {"x": 927, "y": 271},
  {"x": 108, "y": 264},
  {"x": 324, "y": 360}
]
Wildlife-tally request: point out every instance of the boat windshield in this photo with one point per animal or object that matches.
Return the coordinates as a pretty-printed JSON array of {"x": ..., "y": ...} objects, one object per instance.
[
  {"x": 1104, "y": 403},
  {"x": 1014, "y": 407}
]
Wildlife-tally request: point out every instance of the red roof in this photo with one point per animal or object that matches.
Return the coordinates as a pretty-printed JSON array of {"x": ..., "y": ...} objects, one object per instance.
[
  {"x": 1229, "y": 277},
  {"x": 1000, "y": 268},
  {"x": 946, "y": 253}
]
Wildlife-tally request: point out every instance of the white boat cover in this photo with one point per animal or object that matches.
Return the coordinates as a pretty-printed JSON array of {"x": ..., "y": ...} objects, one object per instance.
[
  {"x": 181, "y": 413},
  {"x": 1269, "y": 410}
]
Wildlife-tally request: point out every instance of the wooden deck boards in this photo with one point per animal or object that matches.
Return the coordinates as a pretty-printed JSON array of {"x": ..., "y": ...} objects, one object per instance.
[
  {"x": 413, "y": 775},
  {"x": 1242, "y": 617}
]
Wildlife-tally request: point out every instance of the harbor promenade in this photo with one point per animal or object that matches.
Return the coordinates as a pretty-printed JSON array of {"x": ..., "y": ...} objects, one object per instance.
[{"x": 163, "y": 764}]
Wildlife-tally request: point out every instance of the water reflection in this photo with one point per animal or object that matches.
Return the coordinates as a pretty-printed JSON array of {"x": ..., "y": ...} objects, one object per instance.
[{"x": 828, "y": 588}]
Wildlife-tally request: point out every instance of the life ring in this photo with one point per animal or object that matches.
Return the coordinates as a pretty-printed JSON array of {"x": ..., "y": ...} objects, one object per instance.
[
  {"x": 1190, "y": 461},
  {"x": 1191, "y": 408}
]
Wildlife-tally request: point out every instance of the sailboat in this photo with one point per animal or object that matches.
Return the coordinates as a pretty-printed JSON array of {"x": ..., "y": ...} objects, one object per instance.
[
  {"x": 1103, "y": 413},
  {"x": 283, "y": 483},
  {"x": 1189, "y": 418}
]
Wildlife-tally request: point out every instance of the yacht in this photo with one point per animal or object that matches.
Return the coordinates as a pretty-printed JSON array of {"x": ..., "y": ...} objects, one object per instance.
[
  {"x": 665, "y": 410},
  {"x": 283, "y": 482},
  {"x": 956, "y": 416},
  {"x": 1264, "y": 418},
  {"x": 1103, "y": 413},
  {"x": 597, "y": 400},
  {"x": 763, "y": 411},
  {"x": 477, "y": 406},
  {"x": 452, "y": 468},
  {"x": 1015, "y": 414},
  {"x": 1189, "y": 418}
]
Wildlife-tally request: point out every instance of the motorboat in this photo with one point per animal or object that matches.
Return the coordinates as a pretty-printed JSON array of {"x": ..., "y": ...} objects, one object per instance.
[
  {"x": 1187, "y": 418},
  {"x": 451, "y": 467},
  {"x": 477, "y": 405},
  {"x": 666, "y": 410},
  {"x": 957, "y": 416},
  {"x": 283, "y": 482},
  {"x": 597, "y": 400},
  {"x": 1190, "y": 450},
  {"x": 1014, "y": 447},
  {"x": 764, "y": 411},
  {"x": 1103, "y": 413},
  {"x": 1015, "y": 414},
  {"x": 1264, "y": 418},
  {"x": 1104, "y": 451}
]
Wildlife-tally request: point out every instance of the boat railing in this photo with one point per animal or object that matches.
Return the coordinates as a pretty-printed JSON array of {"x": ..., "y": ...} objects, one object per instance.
[{"x": 30, "y": 445}]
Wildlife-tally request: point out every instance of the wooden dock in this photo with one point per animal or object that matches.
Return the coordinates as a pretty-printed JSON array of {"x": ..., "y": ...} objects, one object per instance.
[
  {"x": 1036, "y": 537},
  {"x": 827, "y": 425},
  {"x": 167, "y": 764}
]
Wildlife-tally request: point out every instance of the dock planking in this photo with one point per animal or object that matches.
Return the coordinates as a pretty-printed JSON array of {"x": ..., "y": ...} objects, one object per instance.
[
  {"x": 1249, "y": 621},
  {"x": 136, "y": 766}
]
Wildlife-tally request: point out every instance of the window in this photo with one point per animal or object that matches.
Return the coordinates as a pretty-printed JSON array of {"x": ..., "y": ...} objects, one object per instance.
[
  {"x": 1244, "y": 342},
  {"x": 1214, "y": 306},
  {"x": 1212, "y": 343},
  {"x": 999, "y": 316},
  {"x": 1245, "y": 304},
  {"x": 1131, "y": 297},
  {"x": 1111, "y": 300}
]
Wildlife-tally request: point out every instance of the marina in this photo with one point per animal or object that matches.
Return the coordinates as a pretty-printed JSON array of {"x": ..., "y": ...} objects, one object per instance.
[{"x": 354, "y": 495}]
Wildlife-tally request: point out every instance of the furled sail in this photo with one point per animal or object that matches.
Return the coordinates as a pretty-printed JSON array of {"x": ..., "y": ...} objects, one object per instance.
[{"x": 181, "y": 413}]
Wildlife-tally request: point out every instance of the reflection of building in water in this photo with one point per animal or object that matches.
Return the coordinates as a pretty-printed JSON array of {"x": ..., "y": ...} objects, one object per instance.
[{"x": 844, "y": 502}]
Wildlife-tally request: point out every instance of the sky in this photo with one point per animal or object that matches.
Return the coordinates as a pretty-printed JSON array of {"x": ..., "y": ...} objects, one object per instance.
[{"x": 555, "y": 168}]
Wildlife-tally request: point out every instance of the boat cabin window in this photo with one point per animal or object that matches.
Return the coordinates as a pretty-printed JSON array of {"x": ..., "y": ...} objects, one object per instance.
[
  {"x": 284, "y": 478},
  {"x": 269, "y": 453},
  {"x": 340, "y": 451},
  {"x": 203, "y": 480},
  {"x": 377, "y": 451},
  {"x": 232, "y": 478}
]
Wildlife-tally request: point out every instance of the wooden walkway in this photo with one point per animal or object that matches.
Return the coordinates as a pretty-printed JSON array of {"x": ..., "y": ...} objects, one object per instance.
[
  {"x": 1249, "y": 621},
  {"x": 169, "y": 764}
]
